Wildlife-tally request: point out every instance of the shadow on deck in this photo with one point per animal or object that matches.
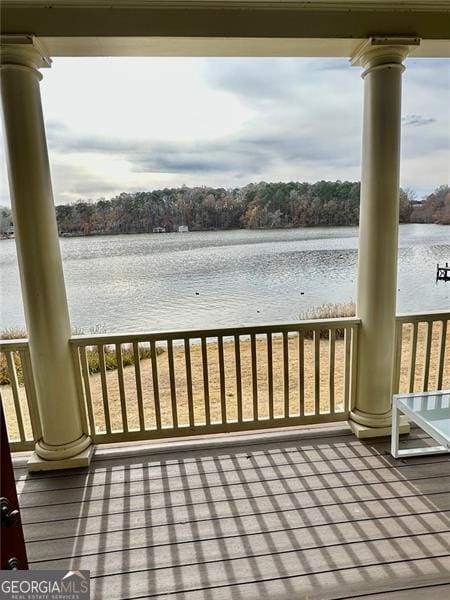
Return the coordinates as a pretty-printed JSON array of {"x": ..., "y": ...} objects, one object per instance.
[{"x": 320, "y": 515}]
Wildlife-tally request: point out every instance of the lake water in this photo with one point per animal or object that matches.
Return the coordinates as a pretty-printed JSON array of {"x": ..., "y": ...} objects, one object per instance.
[{"x": 200, "y": 280}]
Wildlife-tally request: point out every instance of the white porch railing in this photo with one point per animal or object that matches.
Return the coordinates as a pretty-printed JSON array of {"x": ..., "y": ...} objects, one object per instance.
[
  {"x": 156, "y": 385},
  {"x": 422, "y": 352},
  {"x": 197, "y": 382},
  {"x": 19, "y": 396}
]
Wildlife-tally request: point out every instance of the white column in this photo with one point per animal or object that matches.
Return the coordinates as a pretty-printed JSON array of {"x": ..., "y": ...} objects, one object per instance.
[
  {"x": 381, "y": 59},
  {"x": 63, "y": 443}
]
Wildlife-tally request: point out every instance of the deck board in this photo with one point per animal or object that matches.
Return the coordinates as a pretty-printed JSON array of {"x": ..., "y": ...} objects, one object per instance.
[
  {"x": 287, "y": 462},
  {"x": 296, "y": 478},
  {"x": 374, "y": 508},
  {"x": 207, "y": 537},
  {"x": 320, "y": 517}
]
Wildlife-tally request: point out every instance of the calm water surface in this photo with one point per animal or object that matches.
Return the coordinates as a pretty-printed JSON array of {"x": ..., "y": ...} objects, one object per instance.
[{"x": 196, "y": 280}]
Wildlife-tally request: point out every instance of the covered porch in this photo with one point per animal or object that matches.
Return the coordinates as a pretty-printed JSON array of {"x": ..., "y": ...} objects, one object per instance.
[
  {"x": 321, "y": 511},
  {"x": 363, "y": 354}
]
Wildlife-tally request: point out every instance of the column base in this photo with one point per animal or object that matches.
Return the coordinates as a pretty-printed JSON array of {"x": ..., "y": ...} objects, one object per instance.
[
  {"x": 62, "y": 451},
  {"x": 365, "y": 431},
  {"x": 83, "y": 459}
]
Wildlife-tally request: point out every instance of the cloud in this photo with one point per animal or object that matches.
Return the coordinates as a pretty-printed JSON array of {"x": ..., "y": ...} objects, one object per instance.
[
  {"x": 74, "y": 181},
  {"x": 424, "y": 180},
  {"x": 53, "y": 126},
  {"x": 416, "y": 120},
  {"x": 254, "y": 80},
  {"x": 296, "y": 121},
  {"x": 256, "y": 150},
  {"x": 428, "y": 74},
  {"x": 261, "y": 81},
  {"x": 226, "y": 122}
]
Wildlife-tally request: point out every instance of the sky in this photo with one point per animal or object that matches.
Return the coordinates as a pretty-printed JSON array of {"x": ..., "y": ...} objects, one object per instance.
[{"x": 130, "y": 124}]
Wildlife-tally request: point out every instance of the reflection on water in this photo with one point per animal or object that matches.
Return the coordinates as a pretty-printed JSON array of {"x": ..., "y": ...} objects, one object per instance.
[{"x": 200, "y": 280}]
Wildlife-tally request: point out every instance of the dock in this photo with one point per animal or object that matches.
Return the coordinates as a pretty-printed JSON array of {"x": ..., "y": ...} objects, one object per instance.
[{"x": 443, "y": 273}]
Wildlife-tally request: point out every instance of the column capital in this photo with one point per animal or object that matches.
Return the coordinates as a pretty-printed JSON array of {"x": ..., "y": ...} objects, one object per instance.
[
  {"x": 378, "y": 52},
  {"x": 24, "y": 50}
]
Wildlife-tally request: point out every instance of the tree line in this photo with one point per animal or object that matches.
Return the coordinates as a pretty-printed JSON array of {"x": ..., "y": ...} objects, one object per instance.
[{"x": 254, "y": 206}]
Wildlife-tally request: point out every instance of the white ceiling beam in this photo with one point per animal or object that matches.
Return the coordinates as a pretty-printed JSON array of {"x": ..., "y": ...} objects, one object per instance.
[{"x": 224, "y": 27}]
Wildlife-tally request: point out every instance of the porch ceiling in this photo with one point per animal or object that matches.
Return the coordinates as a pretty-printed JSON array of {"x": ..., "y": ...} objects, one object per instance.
[{"x": 225, "y": 27}]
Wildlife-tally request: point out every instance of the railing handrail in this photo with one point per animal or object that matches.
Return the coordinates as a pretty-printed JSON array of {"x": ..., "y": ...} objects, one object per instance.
[
  {"x": 80, "y": 340},
  {"x": 436, "y": 315},
  {"x": 13, "y": 345},
  {"x": 104, "y": 338}
]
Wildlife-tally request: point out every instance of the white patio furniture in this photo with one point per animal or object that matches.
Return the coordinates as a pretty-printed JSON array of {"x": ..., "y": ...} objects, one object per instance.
[{"x": 431, "y": 412}]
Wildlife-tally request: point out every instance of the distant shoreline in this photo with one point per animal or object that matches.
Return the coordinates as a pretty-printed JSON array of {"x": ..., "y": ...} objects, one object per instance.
[
  {"x": 303, "y": 227},
  {"x": 255, "y": 206},
  {"x": 110, "y": 234}
]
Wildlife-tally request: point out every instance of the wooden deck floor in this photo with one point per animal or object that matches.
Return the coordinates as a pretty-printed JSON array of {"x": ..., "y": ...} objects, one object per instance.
[{"x": 318, "y": 517}]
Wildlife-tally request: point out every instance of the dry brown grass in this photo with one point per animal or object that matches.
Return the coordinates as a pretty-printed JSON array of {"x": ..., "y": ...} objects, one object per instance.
[
  {"x": 13, "y": 333},
  {"x": 230, "y": 382},
  {"x": 330, "y": 311}
]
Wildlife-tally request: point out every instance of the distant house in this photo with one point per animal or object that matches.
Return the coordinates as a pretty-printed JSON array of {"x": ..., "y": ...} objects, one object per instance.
[
  {"x": 159, "y": 230},
  {"x": 183, "y": 229}
]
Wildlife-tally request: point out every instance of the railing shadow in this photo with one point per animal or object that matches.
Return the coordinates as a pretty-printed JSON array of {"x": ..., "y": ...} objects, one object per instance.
[{"x": 318, "y": 518}]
